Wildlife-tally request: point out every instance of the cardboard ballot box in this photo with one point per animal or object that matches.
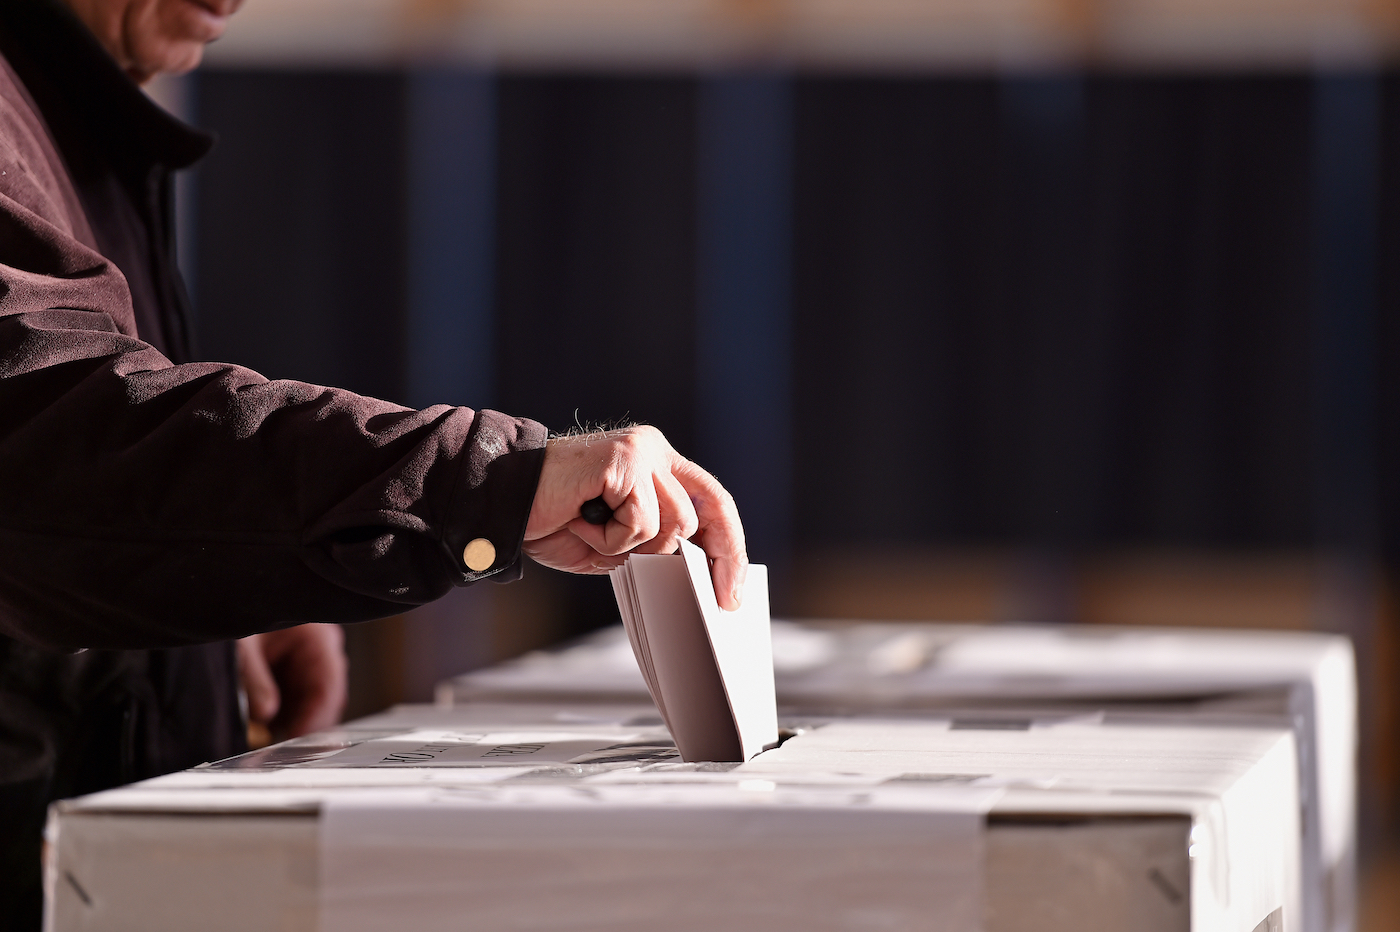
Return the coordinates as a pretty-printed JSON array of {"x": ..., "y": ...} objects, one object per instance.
[
  {"x": 550, "y": 817},
  {"x": 1301, "y": 681}
]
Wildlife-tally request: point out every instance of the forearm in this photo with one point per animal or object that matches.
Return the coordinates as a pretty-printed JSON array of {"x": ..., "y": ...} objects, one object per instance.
[{"x": 145, "y": 504}]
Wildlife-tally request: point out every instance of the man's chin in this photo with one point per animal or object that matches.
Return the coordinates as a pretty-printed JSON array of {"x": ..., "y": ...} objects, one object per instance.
[
  {"x": 180, "y": 59},
  {"x": 202, "y": 22}
]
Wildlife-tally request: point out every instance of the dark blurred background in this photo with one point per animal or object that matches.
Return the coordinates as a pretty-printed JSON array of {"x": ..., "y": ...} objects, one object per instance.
[{"x": 1094, "y": 342}]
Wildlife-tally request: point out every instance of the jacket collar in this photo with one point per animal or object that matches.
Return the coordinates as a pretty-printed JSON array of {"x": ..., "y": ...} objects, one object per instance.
[{"x": 131, "y": 129}]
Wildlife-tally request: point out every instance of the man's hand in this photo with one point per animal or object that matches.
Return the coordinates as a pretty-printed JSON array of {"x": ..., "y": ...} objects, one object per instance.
[
  {"x": 658, "y": 498},
  {"x": 295, "y": 679}
]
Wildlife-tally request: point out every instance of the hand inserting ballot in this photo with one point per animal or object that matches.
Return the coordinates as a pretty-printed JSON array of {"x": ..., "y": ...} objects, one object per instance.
[{"x": 657, "y": 497}]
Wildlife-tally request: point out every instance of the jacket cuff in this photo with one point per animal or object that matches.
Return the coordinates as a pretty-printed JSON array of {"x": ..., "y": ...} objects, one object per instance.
[{"x": 485, "y": 526}]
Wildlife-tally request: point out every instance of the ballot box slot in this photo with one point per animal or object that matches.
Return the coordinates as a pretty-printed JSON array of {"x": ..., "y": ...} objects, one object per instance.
[
  {"x": 990, "y": 724},
  {"x": 934, "y": 779},
  {"x": 1052, "y": 819}
]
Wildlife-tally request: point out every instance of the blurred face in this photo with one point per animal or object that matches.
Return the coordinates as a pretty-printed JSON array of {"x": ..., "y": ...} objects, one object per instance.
[{"x": 151, "y": 37}]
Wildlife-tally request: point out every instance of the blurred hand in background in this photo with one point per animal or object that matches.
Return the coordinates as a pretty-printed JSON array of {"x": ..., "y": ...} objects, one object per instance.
[{"x": 296, "y": 679}]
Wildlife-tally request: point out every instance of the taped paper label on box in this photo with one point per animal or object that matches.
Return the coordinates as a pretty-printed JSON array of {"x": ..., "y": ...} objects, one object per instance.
[{"x": 633, "y": 858}]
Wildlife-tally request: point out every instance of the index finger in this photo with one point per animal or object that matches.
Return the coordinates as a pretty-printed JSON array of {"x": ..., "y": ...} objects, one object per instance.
[{"x": 720, "y": 534}]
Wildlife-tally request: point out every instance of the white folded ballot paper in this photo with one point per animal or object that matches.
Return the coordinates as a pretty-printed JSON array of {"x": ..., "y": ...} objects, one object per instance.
[
  {"x": 584, "y": 818},
  {"x": 710, "y": 672}
]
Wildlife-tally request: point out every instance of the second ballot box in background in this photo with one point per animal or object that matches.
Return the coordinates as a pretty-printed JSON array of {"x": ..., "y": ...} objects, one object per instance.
[
  {"x": 1006, "y": 675},
  {"x": 530, "y": 816}
]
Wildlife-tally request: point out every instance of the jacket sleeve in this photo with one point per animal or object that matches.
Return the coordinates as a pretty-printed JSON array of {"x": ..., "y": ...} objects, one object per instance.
[{"x": 147, "y": 504}]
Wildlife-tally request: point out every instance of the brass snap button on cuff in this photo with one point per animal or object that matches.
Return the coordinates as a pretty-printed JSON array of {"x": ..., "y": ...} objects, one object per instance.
[{"x": 479, "y": 554}]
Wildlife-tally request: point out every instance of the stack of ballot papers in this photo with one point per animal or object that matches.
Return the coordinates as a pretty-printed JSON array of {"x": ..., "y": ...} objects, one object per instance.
[
  {"x": 585, "y": 817},
  {"x": 1296, "y": 680},
  {"x": 709, "y": 672}
]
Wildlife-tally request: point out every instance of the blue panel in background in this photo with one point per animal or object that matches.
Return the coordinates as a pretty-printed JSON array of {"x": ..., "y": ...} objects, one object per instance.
[
  {"x": 744, "y": 340},
  {"x": 451, "y": 134},
  {"x": 1346, "y": 191},
  {"x": 1346, "y": 162},
  {"x": 451, "y": 249}
]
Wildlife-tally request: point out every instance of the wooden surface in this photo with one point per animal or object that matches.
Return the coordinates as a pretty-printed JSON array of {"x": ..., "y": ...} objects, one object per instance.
[
  {"x": 843, "y": 34},
  {"x": 1380, "y": 893}
]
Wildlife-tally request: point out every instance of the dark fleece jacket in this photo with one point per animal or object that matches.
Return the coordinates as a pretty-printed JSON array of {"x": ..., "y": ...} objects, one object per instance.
[{"x": 151, "y": 506}]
